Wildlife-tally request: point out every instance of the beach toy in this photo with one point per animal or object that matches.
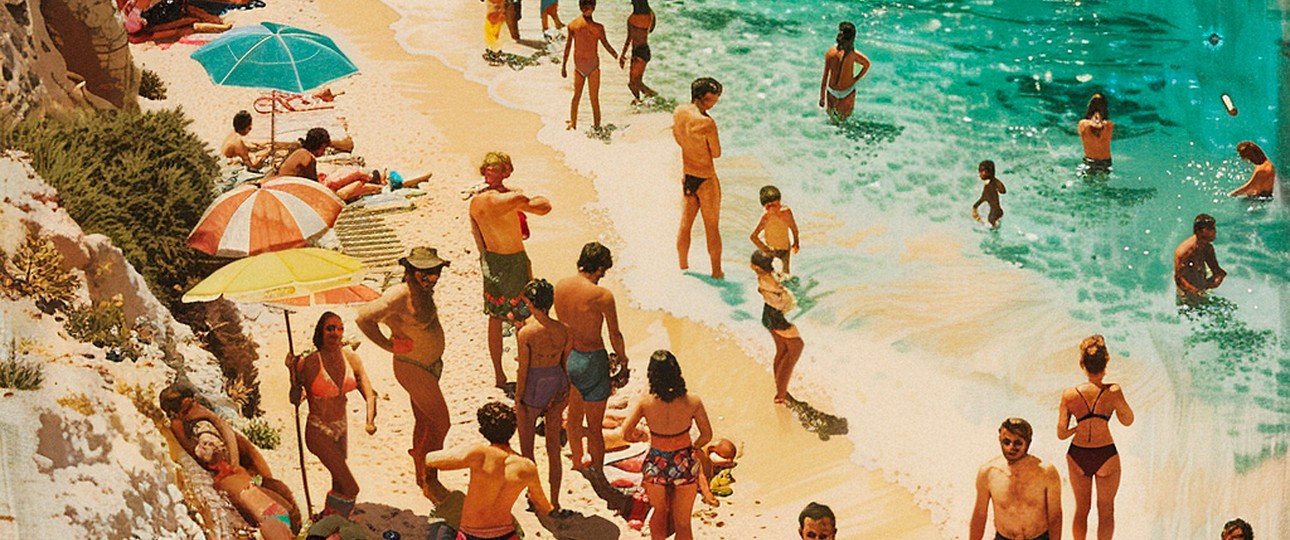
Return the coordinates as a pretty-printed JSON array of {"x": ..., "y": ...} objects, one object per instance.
[
  {"x": 1227, "y": 103},
  {"x": 396, "y": 180},
  {"x": 721, "y": 484}
]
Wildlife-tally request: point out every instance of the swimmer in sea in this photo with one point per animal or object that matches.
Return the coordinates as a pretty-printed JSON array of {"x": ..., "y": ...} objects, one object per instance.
[
  {"x": 772, "y": 233},
  {"x": 639, "y": 25},
  {"x": 1095, "y": 131},
  {"x": 584, "y": 36},
  {"x": 989, "y": 194},
  {"x": 1264, "y": 177},
  {"x": 1196, "y": 268},
  {"x": 838, "y": 85}
]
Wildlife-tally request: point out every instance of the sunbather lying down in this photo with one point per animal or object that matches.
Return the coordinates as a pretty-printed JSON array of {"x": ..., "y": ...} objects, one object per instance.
[
  {"x": 261, "y": 507},
  {"x": 348, "y": 186}
]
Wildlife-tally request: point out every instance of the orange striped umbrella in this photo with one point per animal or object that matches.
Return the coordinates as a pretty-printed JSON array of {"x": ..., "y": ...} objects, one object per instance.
[
  {"x": 285, "y": 212},
  {"x": 340, "y": 296}
]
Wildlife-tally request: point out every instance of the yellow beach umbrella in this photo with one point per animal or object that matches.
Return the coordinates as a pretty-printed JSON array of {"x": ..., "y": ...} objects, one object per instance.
[{"x": 278, "y": 274}]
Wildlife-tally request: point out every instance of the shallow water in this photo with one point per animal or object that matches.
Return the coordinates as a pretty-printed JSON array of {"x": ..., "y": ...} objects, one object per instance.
[{"x": 904, "y": 298}]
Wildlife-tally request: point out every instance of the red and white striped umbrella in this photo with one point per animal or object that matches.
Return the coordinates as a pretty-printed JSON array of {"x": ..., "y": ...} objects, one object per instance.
[{"x": 281, "y": 213}]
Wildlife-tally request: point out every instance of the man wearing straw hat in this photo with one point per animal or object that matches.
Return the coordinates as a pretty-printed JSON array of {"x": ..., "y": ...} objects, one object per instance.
[{"x": 416, "y": 339}]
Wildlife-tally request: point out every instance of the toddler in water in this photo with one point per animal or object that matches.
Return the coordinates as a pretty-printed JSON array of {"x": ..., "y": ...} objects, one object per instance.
[
  {"x": 989, "y": 194},
  {"x": 772, "y": 232}
]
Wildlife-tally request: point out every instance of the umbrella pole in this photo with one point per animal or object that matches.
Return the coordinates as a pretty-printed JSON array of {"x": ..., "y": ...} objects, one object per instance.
[
  {"x": 300, "y": 440},
  {"x": 273, "y": 132}
]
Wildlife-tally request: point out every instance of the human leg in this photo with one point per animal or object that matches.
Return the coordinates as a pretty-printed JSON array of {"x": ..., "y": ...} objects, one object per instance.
[
  {"x": 513, "y": 18},
  {"x": 781, "y": 352},
  {"x": 1108, "y": 483},
  {"x": 682, "y": 504},
  {"x": 575, "y": 428},
  {"x": 578, "y": 80},
  {"x": 430, "y": 414},
  {"x": 332, "y": 452},
  {"x": 595, "y": 412},
  {"x": 1083, "y": 489},
  {"x": 784, "y": 372},
  {"x": 689, "y": 210},
  {"x": 709, "y": 199},
  {"x": 845, "y": 106},
  {"x": 787, "y": 256},
  {"x": 555, "y": 470},
  {"x": 659, "y": 501},
  {"x": 593, "y": 83},
  {"x": 495, "y": 350},
  {"x": 526, "y": 425}
]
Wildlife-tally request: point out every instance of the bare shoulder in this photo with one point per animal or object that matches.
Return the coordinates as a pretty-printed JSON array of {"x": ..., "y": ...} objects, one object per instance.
[{"x": 381, "y": 307}]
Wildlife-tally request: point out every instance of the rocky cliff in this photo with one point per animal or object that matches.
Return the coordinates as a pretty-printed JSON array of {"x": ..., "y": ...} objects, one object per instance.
[{"x": 57, "y": 55}]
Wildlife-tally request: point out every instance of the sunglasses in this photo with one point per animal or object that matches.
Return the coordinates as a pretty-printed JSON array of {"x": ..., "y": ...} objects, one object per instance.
[{"x": 334, "y": 327}]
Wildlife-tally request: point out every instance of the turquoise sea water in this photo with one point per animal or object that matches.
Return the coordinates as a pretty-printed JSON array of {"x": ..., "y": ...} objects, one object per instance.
[{"x": 923, "y": 328}]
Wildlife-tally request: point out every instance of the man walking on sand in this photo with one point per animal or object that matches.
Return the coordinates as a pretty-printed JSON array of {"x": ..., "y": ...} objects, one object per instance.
[
  {"x": 497, "y": 477},
  {"x": 1025, "y": 492},
  {"x": 583, "y": 305},
  {"x": 696, "y": 133},
  {"x": 417, "y": 341},
  {"x": 498, "y": 223}
]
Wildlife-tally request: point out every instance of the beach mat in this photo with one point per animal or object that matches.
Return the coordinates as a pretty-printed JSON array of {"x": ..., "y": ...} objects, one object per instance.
[{"x": 363, "y": 234}]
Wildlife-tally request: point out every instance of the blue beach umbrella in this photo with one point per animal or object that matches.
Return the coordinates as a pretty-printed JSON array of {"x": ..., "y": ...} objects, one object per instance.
[{"x": 275, "y": 57}]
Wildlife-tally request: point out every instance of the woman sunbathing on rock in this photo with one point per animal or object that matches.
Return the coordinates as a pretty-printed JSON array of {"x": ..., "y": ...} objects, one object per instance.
[{"x": 261, "y": 507}]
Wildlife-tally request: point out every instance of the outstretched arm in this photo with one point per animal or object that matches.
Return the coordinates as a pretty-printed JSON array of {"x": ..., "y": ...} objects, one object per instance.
[
  {"x": 564, "y": 65},
  {"x": 622, "y": 57},
  {"x": 364, "y": 387},
  {"x": 450, "y": 459},
  {"x": 536, "y": 495},
  {"x": 604, "y": 40}
]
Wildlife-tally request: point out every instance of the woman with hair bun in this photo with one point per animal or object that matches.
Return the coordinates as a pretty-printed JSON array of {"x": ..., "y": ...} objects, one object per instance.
[
  {"x": 671, "y": 468},
  {"x": 1092, "y": 457}
]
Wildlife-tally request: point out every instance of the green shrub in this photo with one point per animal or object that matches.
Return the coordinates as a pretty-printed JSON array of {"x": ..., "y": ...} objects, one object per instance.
[
  {"x": 21, "y": 375},
  {"x": 151, "y": 86},
  {"x": 103, "y": 324},
  {"x": 36, "y": 270},
  {"x": 261, "y": 434},
  {"x": 142, "y": 179}
]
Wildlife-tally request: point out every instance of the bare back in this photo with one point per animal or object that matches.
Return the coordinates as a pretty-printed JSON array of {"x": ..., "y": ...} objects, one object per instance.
[
  {"x": 1096, "y": 139},
  {"x": 497, "y": 478},
  {"x": 580, "y": 305},
  {"x": 1093, "y": 432},
  {"x": 696, "y": 134},
  {"x": 670, "y": 422},
  {"x": 493, "y": 217},
  {"x": 301, "y": 163}
]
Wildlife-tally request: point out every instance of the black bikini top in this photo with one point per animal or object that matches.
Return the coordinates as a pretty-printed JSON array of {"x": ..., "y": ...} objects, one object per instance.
[{"x": 1090, "y": 413}]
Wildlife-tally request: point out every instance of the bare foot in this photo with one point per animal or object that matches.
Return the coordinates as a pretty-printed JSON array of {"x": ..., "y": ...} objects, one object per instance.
[
  {"x": 570, "y": 125},
  {"x": 779, "y": 400},
  {"x": 718, "y": 275}
]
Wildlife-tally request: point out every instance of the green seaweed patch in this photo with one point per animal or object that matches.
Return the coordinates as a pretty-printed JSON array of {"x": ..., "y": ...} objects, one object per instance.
[
  {"x": 815, "y": 421},
  {"x": 515, "y": 61},
  {"x": 603, "y": 133},
  {"x": 652, "y": 104},
  {"x": 869, "y": 131},
  {"x": 803, "y": 292}
]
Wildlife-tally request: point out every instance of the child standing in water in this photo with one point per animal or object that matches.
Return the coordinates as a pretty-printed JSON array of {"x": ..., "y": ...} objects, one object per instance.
[
  {"x": 584, "y": 35},
  {"x": 989, "y": 194},
  {"x": 788, "y": 343},
  {"x": 776, "y": 224}
]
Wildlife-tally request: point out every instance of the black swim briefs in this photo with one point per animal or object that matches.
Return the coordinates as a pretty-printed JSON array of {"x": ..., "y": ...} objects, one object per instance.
[
  {"x": 998, "y": 536},
  {"x": 690, "y": 186},
  {"x": 641, "y": 52}
]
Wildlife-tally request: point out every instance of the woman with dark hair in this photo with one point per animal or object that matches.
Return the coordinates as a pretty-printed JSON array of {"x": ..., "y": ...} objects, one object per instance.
[
  {"x": 303, "y": 163},
  {"x": 1092, "y": 457},
  {"x": 325, "y": 377},
  {"x": 1095, "y": 131},
  {"x": 671, "y": 468},
  {"x": 1264, "y": 177},
  {"x": 838, "y": 85},
  {"x": 788, "y": 342}
]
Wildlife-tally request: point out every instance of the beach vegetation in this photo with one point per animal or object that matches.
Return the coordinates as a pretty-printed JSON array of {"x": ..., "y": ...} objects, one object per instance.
[
  {"x": 35, "y": 270},
  {"x": 151, "y": 86},
  {"x": 20, "y": 374},
  {"x": 103, "y": 325},
  {"x": 261, "y": 434},
  {"x": 218, "y": 325},
  {"x": 141, "y": 179},
  {"x": 78, "y": 402},
  {"x": 144, "y": 400}
]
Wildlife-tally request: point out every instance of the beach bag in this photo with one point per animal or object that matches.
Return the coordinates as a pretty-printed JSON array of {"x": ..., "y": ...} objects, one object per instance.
[{"x": 163, "y": 12}]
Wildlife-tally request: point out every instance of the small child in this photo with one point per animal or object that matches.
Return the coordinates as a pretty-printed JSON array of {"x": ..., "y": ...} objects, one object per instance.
[
  {"x": 776, "y": 223},
  {"x": 989, "y": 194},
  {"x": 585, "y": 35}
]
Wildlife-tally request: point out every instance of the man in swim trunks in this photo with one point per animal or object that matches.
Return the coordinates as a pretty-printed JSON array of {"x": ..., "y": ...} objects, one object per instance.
[
  {"x": 1025, "y": 492},
  {"x": 817, "y": 522},
  {"x": 235, "y": 145},
  {"x": 584, "y": 36},
  {"x": 583, "y": 305},
  {"x": 639, "y": 25},
  {"x": 497, "y": 222},
  {"x": 696, "y": 133},
  {"x": 417, "y": 341},
  {"x": 497, "y": 477},
  {"x": 1196, "y": 268}
]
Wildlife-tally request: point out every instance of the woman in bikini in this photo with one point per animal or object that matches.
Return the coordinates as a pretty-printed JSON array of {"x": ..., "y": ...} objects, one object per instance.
[
  {"x": 326, "y": 376},
  {"x": 542, "y": 380},
  {"x": 788, "y": 342},
  {"x": 1095, "y": 131},
  {"x": 260, "y": 506},
  {"x": 838, "y": 85},
  {"x": 671, "y": 468},
  {"x": 1092, "y": 457}
]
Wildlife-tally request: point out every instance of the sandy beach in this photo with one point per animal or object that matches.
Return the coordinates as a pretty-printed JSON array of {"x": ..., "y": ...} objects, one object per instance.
[{"x": 414, "y": 114}]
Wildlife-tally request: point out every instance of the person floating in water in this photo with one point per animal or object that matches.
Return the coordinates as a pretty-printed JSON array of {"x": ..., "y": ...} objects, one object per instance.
[
  {"x": 639, "y": 25},
  {"x": 838, "y": 85},
  {"x": 1196, "y": 268},
  {"x": 989, "y": 194},
  {"x": 1264, "y": 177},
  {"x": 788, "y": 342},
  {"x": 696, "y": 133},
  {"x": 1026, "y": 493},
  {"x": 1092, "y": 457},
  {"x": 1095, "y": 131},
  {"x": 584, "y": 36},
  {"x": 775, "y": 225}
]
